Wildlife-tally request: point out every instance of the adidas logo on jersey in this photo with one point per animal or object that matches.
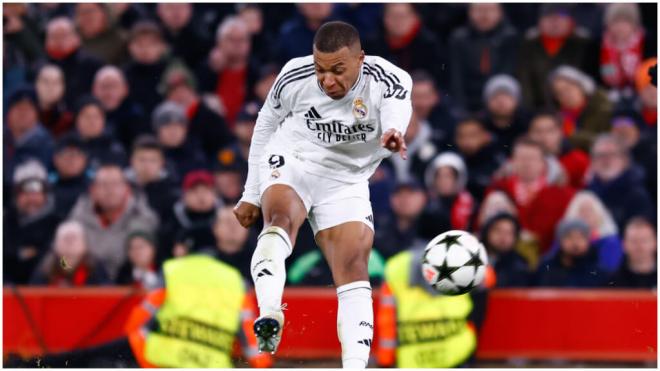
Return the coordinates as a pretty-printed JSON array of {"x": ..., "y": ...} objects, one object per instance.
[
  {"x": 312, "y": 114},
  {"x": 366, "y": 342}
]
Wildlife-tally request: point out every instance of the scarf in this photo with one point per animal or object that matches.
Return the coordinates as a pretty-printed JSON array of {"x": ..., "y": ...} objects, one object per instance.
[{"x": 618, "y": 63}]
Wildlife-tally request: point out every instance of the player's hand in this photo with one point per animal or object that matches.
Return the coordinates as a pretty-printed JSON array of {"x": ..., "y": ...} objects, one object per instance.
[
  {"x": 246, "y": 213},
  {"x": 393, "y": 141}
]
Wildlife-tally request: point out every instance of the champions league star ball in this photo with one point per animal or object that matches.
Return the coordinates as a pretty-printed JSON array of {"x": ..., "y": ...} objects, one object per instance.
[{"x": 454, "y": 262}]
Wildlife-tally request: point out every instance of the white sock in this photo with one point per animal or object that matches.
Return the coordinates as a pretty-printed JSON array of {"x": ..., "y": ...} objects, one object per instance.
[
  {"x": 355, "y": 323},
  {"x": 268, "y": 270}
]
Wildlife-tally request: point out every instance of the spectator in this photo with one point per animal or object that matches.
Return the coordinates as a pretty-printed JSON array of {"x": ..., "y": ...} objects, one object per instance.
[
  {"x": 481, "y": 155},
  {"x": 450, "y": 206},
  {"x": 545, "y": 129},
  {"x": 556, "y": 41},
  {"x": 407, "y": 43},
  {"x": 435, "y": 108},
  {"x": 148, "y": 61},
  {"x": 621, "y": 50},
  {"x": 69, "y": 179},
  {"x": 124, "y": 116},
  {"x": 297, "y": 34},
  {"x": 233, "y": 242},
  {"x": 147, "y": 174},
  {"x": 504, "y": 115},
  {"x": 63, "y": 49},
  {"x": 399, "y": 230},
  {"x": 229, "y": 72},
  {"x": 181, "y": 33},
  {"x": 21, "y": 33},
  {"x": 70, "y": 263},
  {"x": 127, "y": 14},
  {"x": 140, "y": 269},
  {"x": 109, "y": 212},
  {"x": 585, "y": 111},
  {"x": 500, "y": 235},
  {"x": 229, "y": 174},
  {"x": 206, "y": 124},
  {"x": 192, "y": 216},
  {"x": 265, "y": 80},
  {"x": 99, "y": 140},
  {"x": 617, "y": 182},
  {"x": 100, "y": 35},
  {"x": 496, "y": 202},
  {"x": 29, "y": 223},
  {"x": 243, "y": 131},
  {"x": 576, "y": 263},
  {"x": 24, "y": 136},
  {"x": 638, "y": 268},
  {"x": 53, "y": 112},
  {"x": 647, "y": 103},
  {"x": 643, "y": 149},
  {"x": 536, "y": 188},
  {"x": 604, "y": 235},
  {"x": 261, "y": 40},
  {"x": 485, "y": 47},
  {"x": 182, "y": 152}
]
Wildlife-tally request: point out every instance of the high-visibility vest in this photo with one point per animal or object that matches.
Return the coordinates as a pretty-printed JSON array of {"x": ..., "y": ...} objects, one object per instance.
[
  {"x": 432, "y": 330},
  {"x": 199, "y": 320}
]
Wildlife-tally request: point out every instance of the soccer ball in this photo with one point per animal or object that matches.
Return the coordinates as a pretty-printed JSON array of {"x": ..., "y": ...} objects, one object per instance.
[{"x": 454, "y": 262}]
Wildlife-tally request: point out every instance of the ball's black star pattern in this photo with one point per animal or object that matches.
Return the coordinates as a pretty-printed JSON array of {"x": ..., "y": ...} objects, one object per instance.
[
  {"x": 464, "y": 289},
  {"x": 474, "y": 261},
  {"x": 445, "y": 271},
  {"x": 450, "y": 240}
]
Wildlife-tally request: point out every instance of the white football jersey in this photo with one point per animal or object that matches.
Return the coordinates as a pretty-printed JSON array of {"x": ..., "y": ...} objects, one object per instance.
[{"x": 337, "y": 139}]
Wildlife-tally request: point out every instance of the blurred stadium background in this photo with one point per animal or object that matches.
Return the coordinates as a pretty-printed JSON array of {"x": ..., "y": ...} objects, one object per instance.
[{"x": 127, "y": 127}]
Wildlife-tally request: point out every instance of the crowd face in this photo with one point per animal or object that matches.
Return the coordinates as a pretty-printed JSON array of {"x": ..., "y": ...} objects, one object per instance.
[
  {"x": 545, "y": 131},
  {"x": 110, "y": 190},
  {"x": 22, "y": 117},
  {"x": 70, "y": 162},
  {"x": 446, "y": 182},
  {"x": 568, "y": 94},
  {"x": 229, "y": 184},
  {"x": 639, "y": 243},
  {"x": 424, "y": 99},
  {"x": 399, "y": 19},
  {"x": 50, "y": 86},
  {"x": 199, "y": 198},
  {"x": 574, "y": 244},
  {"x": 485, "y": 17},
  {"x": 147, "y": 164},
  {"x": 528, "y": 162},
  {"x": 408, "y": 203},
  {"x": 110, "y": 88},
  {"x": 61, "y": 37},
  {"x": 608, "y": 160},
  {"x": 141, "y": 252},
  {"x": 243, "y": 131},
  {"x": 628, "y": 133},
  {"x": 556, "y": 25},
  {"x": 253, "y": 18},
  {"x": 262, "y": 87},
  {"x": 147, "y": 49},
  {"x": 172, "y": 135},
  {"x": 235, "y": 43},
  {"x": 338, "y": 71},
  {"x": 175, "y": 16},
  {"x": 30, "y": 202},
  {"x": 502, "y": 105},
  {"x": 649, "y": 96},
  {"x": 92, "y": 19},
  {"x": 471, "y": 138},
  {"x": 70, "y": 244},
  {"x": 501, "y": 237},
  {"x": 90, "y": 121},
  {"x": 621, "y": 30},
  {"x": 315, "y": 13},
  {"x": 229, "y": 234}
]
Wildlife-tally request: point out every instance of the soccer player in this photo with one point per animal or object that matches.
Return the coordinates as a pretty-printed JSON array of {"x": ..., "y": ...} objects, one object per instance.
[{"x": 329, "y": 120}]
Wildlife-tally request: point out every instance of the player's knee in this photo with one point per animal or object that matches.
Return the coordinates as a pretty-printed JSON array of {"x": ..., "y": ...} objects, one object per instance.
[
  {"x": 283, "y": 221},
  {"x": 354, "y": 266}
]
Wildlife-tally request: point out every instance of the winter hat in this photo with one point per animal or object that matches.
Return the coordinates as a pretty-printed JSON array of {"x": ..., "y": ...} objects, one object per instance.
[
  {"x": 452, "y": 160},
  {"x": 576, "y": 76},
  {"x": 624, "y": 11},
  {"x": 30, "y": 176},
  {"x": 568, "y": 225},
  {"x": 21, "y": 94},
  {"x": 69, "y": 140},
  {"x": 87, "y": 100},
  {"x": 196, "y": 177},
  {"x": 502, "y": 83},
  {"x": 557, "y": 8},
  {"x": 167, "y": 113},
  {"x": 501, "y": 215},
  {"x": 142, "y": 234},
  {"x": 175, "y": 75}
]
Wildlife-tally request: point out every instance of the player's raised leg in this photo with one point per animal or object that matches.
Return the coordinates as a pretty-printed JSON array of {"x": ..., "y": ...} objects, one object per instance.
[
  {"x": 346, "y": 248},
  {"x": 284, "y": 213}
]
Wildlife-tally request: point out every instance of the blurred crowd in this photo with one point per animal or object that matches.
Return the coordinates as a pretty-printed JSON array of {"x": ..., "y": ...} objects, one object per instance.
[{"x": 127, "y": 127}]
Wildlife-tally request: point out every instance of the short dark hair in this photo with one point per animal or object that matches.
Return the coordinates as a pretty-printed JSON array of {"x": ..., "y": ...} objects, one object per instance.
[
  {"x": 527, "y": 141},
  {"x": 471, "y": 119},
  {"x": 332, "y": 36},
  {"x": 147, "y": 142},
  {"x": 421, "y": 76},
  {"x": 552, "y": 114},
  {"x": 148, "y": 28}
]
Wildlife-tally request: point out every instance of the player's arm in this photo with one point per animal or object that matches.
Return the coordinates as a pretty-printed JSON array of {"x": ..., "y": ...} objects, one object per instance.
[
  {"x": 396, "y": 110},
  {"x": 271, "y": 114}
]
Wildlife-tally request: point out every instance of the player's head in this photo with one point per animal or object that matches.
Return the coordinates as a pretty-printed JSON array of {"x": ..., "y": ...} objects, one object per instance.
[{"x": 338, "y": 58}]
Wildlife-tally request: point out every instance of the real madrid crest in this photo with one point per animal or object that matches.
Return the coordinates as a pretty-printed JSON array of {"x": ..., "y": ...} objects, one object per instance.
[
  {"x": 275, "y": 174},
  {"x": 359, "y": 109}
]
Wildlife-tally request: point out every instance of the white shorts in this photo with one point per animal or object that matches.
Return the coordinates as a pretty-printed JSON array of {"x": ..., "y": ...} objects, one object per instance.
[{"x": 328, "y": 202}]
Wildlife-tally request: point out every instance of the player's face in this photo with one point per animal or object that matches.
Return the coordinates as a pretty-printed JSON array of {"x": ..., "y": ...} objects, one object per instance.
[{"x": 338, "y": 71}]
